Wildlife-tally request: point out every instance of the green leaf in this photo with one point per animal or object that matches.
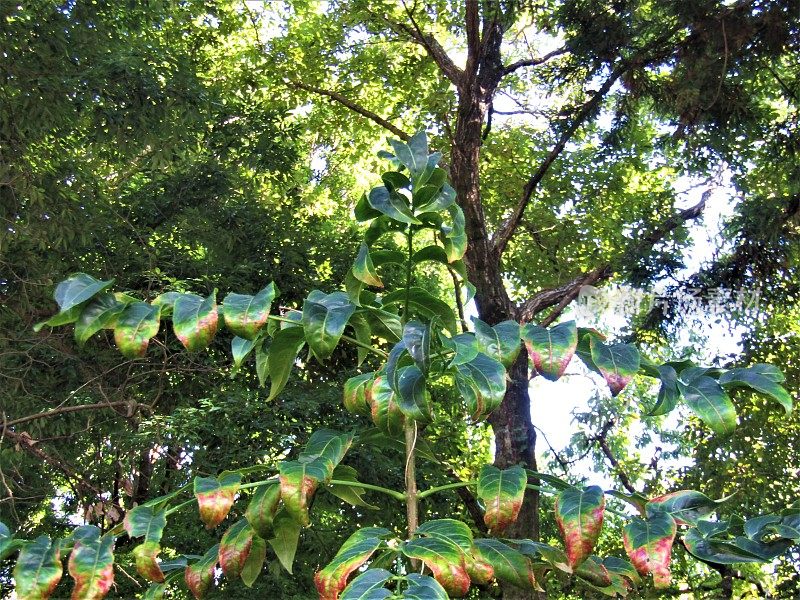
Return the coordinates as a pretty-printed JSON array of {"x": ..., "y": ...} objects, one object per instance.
[
  {"x": 422, "y": 303},
  {"x": 286, "y": 345},
  {"x": 166, "y": 301},
  {"x": 155, "y": 591},
  {"x": 501, "y": 342},
  {"x": 761, "y": 378},
  {"x": 91, "y": 563},
  {"x": 145, "y": 521},
  {"x": 445, "y": 560},
  {"x": 413, "y": 399},
  {"x": 77, "y": 289},
  {"x": 414, "y": 154},
  {"x": 363, "y": 211},
  {"x": 455, "y": 237},
  {"x": 324, "y": 318},
  {"x": 240, "y": 349},
  {"x": 38, "y": 569},
  {"x": 649, "y": 546},
  {"x": 352, "y": 494},
  {"x": 194, "y": 320},
  {"x": 668, "y": 392},
  {"x": 482, "y": 383},
  {"x": 234, "y": 548},
  {"x": 147, "y": 566},
  {"x": 716, "y": 551},
  {"x": 284, "y": 543},
  {"x": 433, "y": 198},
  {"x": 364, "y": 269},
  {"x": 215, "y": 497},
  {"x": 255, "y": 561},
  {"x": 579, "y": 515},
  {"x": 262, "y": 362},
  {"x": 246, "y": 315},
  {"x": 379, "y": 227},
  {"x": 368, "y": 586},
  {"x": 395, "y": 180},
  {"x": 553, "y": 556},
  {"x": 8, "y": 545},
  {"x": 385, "y": 412},
  {"x": 331, "y": 580},
  {"x": 422, "y": 587},
  {"x": 502, "y": 493},
  {"x": 509, "y": 565},
  {"x": 355, "y": 393},
  {"x": 99, "y": 313},
  {"x": 449, "y": 530},
  {"x": 417, "y": 340},
  {"x": 263, "y": 507},
  {"x": 135, "y": 326},
  {"x": 623, "y": 568},
  {"x": 709, "y": 401},
  {"x": 384, "y": 324},
  {"x": 463, "y": 345},
  {"x": 392, "y": 204},
  {"x": 685, "y": 506},
  {"x": 618, "y": 363},
  {"x": 551, "y": 349},
  {"x": 199, "y": 575},
  {"x": 592, "y": 570},
  {"x": 63, "y": 318}
]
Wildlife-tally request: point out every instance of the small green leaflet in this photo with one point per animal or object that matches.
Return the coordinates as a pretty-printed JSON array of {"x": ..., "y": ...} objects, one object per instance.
[
  {"x": 325, "y": 317},
  {"x": 579, "y": 515},
  {"x": 433, "y": 199},
  {"x": 246, "y": 315},
  {"x": 240, "y": 349},
  {"x": 649, "y": 545},
  {"x": 194, "y": 320},
  {"x": 445, "y": 560},
  {"x": 234, "y": 548},
  {"x": 284, "y": 542},
  {"x": 352, "y": 494},
  {"x": 215, "y": 497},
  {"x": 99, "y": 313},
  {"x": 502, "y": 493},
  {"x": 368, "y": 586},
  {"x": 331, "y": 580},
  {"x": 501, "y": 342},
  {"x": 455, "y": 238},
  {"x": 709, "y": 401},
  {"x": 262, "y": 508},
  {"x": 199, "y": 575},
  {"x": 38, "y": 569},
  {"x": 135, "y": 326},
  {"x": 364, "y": 269},
  {"x": 91, "y": 563},
  {"x": 145, "y": 521},
  {"x": 286, "y": 345},
  {"x": 762, "y": 378},
  {"x": 414, "y": 154},
  {"x": 550, "y": 350},
  {"x": 618, "y": 363}
]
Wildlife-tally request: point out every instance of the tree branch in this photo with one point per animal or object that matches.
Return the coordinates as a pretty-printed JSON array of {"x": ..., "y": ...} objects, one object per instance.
[
  {"x": 344, "y": 101},
  {"x": 132, "y": 407},
  {"x": 432, "y": 47},
  {"x": 602, "y": 441},
  {"x": 533, "y": 62}
]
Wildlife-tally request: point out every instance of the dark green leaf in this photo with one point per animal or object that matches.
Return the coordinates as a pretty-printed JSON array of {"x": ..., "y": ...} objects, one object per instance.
[
  {"x": 99, "y": 313},
  {"x": 145, "y": 521},
  {"x": 368, "y": 586},
  {"x": 77, "y": 289},
  {"x": 392, "y": 204},
  {"x": 135, "y": 326},
  {"x": 501, "y": 342},
  {"x": 618, "y": 363},
  {"x": 286, "y": 345},
  {"x": 482, "y": 383},
  {"x": 709, "y": 401},
  {"x": 325, "y": 317},
  {"x": 284, "y": 543},
  {"x": 417, "y": 340},
  {"x": 246, "y": 315},
  {"x": 761, "y": 378},
  {"x": 255, "y": 561},
  {"x": 194, "y": 320}
]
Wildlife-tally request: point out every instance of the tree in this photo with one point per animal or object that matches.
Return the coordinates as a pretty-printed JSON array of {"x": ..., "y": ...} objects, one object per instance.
[{"x": 415, "y": 203}]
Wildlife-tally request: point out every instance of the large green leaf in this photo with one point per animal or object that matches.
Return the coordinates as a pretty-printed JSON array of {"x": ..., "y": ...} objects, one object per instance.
[
  {"x": 324, "y": 318},
  {"x": 413, "y": 399},
  {"x": 135, "y": 326},
  {"x": 685, "y": 506},
  {"x": 384, "y": 324},
  {"x": 385, "y": 412},
  {"x": 392, "y": 204},
  {"x": 286, "y": 345},
  {"x": 99, "y": 313},
  {"x": 648, "y": 543},
  {"x": 579, "y": 515},
  {"x": 91, "y": 563},
  {"x": 510, "y": 566},
  {"x": 414, "y": 154},
  {"x": 450, "y": 530},
  {"x": 432, "y": 198},
  {"x": 550, "y": 349},
  {"x": 62, "y": 318},
  {"x": 355, "y": 393},
  {"x": 501, "y": 342},
  {"x": 422, "y": 587},
  {"x": 709, "y": 401},
  {"x": 762, "y": 378},
  {"x": 38, "y": 569},
  {"x": 482, "y": 383},
  {"x": 246, "y": 315},
  {"x": 77, "y": 289},
  {"x": 352, "y": 494},
  {"x": 445, "y": 560},
  {"x": 717, "y": 551},
  {"x": 463, "y": 345},
  {"x": 234, "y": 548},
  {"x": 195, "y": 320},
  {"x": 263, "y": 507},
  {"x": 618, "y": 363},
  {"x": 544, "y": 552},
  {"x": 417, "y": 341},
  {"x": 215, "y": 497},
  {"x": 146, "y": 521},
  {"x": 502, "y": 493},
  {"x": 331, "y": 580},
  {"x": 8, "y": 545},
  {"x": 423, "y": 303},
  {"x": 368, "y": 586},
  {"x": 200, "y": 574},
  {"x": 146, "y": 557},
  {"x": 668, "y": 393},
  {"x": 255, "y": 561},
  {"x": 285, "y": 539},
  {"x": 364, "y": 269}
]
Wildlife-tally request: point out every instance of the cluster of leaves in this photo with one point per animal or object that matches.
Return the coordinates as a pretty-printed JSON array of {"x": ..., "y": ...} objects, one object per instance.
[{"x": 415, "y": 202}]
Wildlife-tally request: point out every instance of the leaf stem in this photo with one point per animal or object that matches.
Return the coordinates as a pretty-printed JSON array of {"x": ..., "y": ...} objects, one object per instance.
[{"x": 449, "y": 486}]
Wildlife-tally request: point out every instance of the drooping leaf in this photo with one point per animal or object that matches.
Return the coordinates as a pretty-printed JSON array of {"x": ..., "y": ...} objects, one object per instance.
[
  {"x": 155, "y": 591},
  {"x": 455, "y": 236},
  {"x": 449, "y": 530},
  {"x": 579, "y": 515},
  {"x": 240, "y": 349},
  {"x": 368, "y": 586},
  {"x": 463, "y": 345},
  {"x": 433, "y": 198},
  {"x": 328, "y": 446},
  {"x": 509, "y": 565},
  {"x": 91, "y": 563},
  {"x": 135, "y": 326},
  {"x": 623, "y": 568},
  {"x": 62, "y": 318},
  {"x": 551, "y": 349},
  {"x": 200, "y": 574},
  {"x": 422, "y": 587},
  {"x": 215, "y": 497},
  {"x": 325, "y": 317},
  {"x": 38, "y": 569},
  {"x": 423, "y": 303},
  {"x": 395, "y": 180},
  {"x": 246, "y": 315},
  {"x": 255, "y": 561},
  {"x": 355, "y": 393},
  {"x": 685, "y": 506},
  {"x": 417, "y": 341},
  {"x": 286, "y": 345},
  {"x": 445, "y": 560},
  {"x": 618, "y": 363},
  {"x": 482, "y": 383},
  {"x": 77, "y": 289},
  {"x": 648, "y": 543},
  {"x": 99, "y": 313},
  {"x": 430, "y": 253},
  {"x": 363, "y": 333},
  {"x": 668, "y": 394},
  {"x": 331, "y": 580},
  {"x": 413, "y": 399},
  {"x": 262, "y": 508},
  {"x": 8, "y": 545},
  {"x": 384, "y": 324},
  {"x": 262, "y": 362},
  {"x": 147, "y": 566},
  {"x": 709, "y": 401},
  {"x": 544, "y": 552},
  {"x": 502, "y": 493},
  {"x": 385, "y": 412},
  {"x": 364, "y": 269},
  {"x": 392, "y": 204},
  {"x": 501, "y": 342},
  {"x": 362, "y": 211},
  {"x": 716, "y": 551},
  {"x": 285, "y": 538},
  {"x": 147, "y": 521},
  {"x": 195, "y": 320},
  {"x": 234, "y": 548},
  {"x": 761, "y": 378},
  {"x": 593, "y": 570},
  {"x": 352, "y": 494}
]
